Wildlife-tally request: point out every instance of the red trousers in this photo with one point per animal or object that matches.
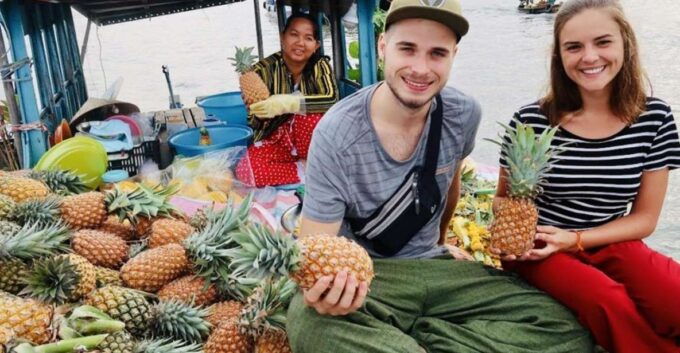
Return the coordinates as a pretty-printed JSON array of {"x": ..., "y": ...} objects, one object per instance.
[
  {"x": 626, "y": 294},
  {"x": 273, "y": 160}
]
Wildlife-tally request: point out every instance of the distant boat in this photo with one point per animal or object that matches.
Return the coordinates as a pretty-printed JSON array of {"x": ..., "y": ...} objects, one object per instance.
[{"x": 540, "y": 6}]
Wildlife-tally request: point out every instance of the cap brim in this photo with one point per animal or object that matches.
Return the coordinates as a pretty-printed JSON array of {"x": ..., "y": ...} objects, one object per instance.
[{"x": 458, "y": 24}]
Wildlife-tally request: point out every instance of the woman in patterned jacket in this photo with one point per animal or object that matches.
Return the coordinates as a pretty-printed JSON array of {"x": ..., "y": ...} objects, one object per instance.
[{"x": 302, "y": 87}]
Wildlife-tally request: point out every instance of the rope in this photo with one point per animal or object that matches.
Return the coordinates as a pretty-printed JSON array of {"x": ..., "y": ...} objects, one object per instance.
[{"x": 27, "y": 127}]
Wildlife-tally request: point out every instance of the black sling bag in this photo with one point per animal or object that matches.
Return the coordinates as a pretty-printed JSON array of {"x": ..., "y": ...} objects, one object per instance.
[{"x": 411, "y": 206}]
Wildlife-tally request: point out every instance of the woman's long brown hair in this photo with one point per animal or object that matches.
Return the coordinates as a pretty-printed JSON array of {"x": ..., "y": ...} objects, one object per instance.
[{"x": 628, "y": 97}]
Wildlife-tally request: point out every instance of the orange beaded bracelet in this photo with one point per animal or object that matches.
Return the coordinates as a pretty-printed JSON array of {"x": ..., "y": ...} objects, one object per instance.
[{"x": 579, "y": 243}]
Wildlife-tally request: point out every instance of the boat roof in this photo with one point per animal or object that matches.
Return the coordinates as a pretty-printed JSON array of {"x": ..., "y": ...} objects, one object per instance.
[{"x": 106, "y": 12}]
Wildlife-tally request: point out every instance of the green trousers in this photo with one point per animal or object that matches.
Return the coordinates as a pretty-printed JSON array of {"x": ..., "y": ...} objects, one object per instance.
[{"x": 441, "y": 305}]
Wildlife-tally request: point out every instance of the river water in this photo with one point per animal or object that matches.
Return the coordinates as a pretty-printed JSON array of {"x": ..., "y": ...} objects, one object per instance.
[{"x": 503, "y": 62}]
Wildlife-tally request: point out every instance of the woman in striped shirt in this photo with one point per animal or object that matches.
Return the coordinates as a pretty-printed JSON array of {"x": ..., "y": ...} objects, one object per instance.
[
  {"x": 618, "y": 149},
  {"x": 302, "y": 87}
]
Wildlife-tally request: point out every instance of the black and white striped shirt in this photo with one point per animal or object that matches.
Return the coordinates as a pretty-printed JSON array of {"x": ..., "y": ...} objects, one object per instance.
[{"x": 592, "y": 181}]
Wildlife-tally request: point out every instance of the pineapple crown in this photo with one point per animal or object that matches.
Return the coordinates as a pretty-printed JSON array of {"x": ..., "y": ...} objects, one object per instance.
[
  {"x": 243, "y": 59},
  {"x": 238, "y": 288},
  {"x": 34, "y": 240},
  {"x": 166, "y": 346},
  {"x": 262, "y": 253},
  {"x": 53, "y": 280},
  {"x": 179, "y": 321},
  {"x": 266, "y": 307},
  {"x": 528, "y": 157},
  {"x": 42, "y": 211},
  {"x": 208, "y": 248},
  {"x": 141, "y": 202},
  {"x": 61, "y": 182}
]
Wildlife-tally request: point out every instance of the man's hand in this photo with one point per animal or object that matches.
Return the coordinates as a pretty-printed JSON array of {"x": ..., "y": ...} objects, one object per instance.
[
  {"x": 458, "y": 253},
  {"x": 276, "y": 105},
  {"x": 337, "y": 296}
]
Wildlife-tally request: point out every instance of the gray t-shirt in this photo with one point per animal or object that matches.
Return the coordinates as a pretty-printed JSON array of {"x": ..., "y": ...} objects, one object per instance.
[{"x": 349, "y": 174}]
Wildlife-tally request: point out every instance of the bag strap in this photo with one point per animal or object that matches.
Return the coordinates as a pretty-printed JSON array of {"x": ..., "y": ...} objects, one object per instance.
[{"x": 433, "y": 139}]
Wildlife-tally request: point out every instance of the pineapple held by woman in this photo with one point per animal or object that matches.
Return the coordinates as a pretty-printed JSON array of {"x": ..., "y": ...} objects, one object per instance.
[
  {"x": 527, "y": 156},
  {"x": 252, "y": 87}
]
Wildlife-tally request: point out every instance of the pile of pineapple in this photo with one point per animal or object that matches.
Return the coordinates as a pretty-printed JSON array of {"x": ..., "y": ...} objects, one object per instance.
[
  {"x": 160, "y": 281},
  {"x": 469, "y": 227}
]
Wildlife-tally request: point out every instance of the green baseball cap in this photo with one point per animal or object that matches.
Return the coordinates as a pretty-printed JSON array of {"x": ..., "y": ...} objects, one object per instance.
[{"x": 446, "y": 12}]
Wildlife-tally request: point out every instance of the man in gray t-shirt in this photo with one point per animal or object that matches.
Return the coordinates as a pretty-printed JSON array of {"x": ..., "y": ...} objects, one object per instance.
[
  {"x": 361, "y": 153},
  {"x": 351, "y": 173}
]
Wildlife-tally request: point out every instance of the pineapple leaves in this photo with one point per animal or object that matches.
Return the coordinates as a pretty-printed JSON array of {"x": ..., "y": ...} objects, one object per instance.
[
  {"x": 34, "y": 240},
  {"x": 527, "y": 155},
  {"x": 243, "y": 59},
  {"x": 141, "y": 202}
]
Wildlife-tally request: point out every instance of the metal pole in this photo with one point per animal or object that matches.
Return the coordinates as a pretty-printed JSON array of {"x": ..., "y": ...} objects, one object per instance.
[
  {"x": 258, "y": 29},
  {"x": 14, "y": 114},
  {"x": 83, "y": 49},
  {"x": 34, "y": 143}
]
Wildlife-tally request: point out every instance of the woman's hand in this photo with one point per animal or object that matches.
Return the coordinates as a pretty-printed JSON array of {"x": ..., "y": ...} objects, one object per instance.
[
  {"x": 276, "y": 105},
  {"x": 555, "y": 239},
  {"x": 337, "y": 296}
]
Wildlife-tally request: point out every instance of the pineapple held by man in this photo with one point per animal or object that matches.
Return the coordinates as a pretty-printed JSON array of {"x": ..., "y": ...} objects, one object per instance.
[
  {"x": 252, "y": 87},
  {"x": 515, "y": 218},
  {"x": 263, "y": 253}
]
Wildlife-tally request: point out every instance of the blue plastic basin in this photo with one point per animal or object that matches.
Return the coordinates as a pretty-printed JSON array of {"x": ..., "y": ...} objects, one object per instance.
[
  {"x": 186, "y": 142},
  {"x": 227, "y": 106}
]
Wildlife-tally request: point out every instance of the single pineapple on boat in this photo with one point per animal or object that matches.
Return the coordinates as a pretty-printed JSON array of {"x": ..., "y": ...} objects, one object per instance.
[{"x": 516, "y": 216}]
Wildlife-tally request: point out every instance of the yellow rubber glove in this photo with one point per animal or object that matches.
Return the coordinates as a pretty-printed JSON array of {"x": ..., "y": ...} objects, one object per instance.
[{"x": 276, "y": 105}]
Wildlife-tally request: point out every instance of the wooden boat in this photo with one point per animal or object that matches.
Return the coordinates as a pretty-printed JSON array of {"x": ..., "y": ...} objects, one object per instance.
[{"x": 542, "y": 6}]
